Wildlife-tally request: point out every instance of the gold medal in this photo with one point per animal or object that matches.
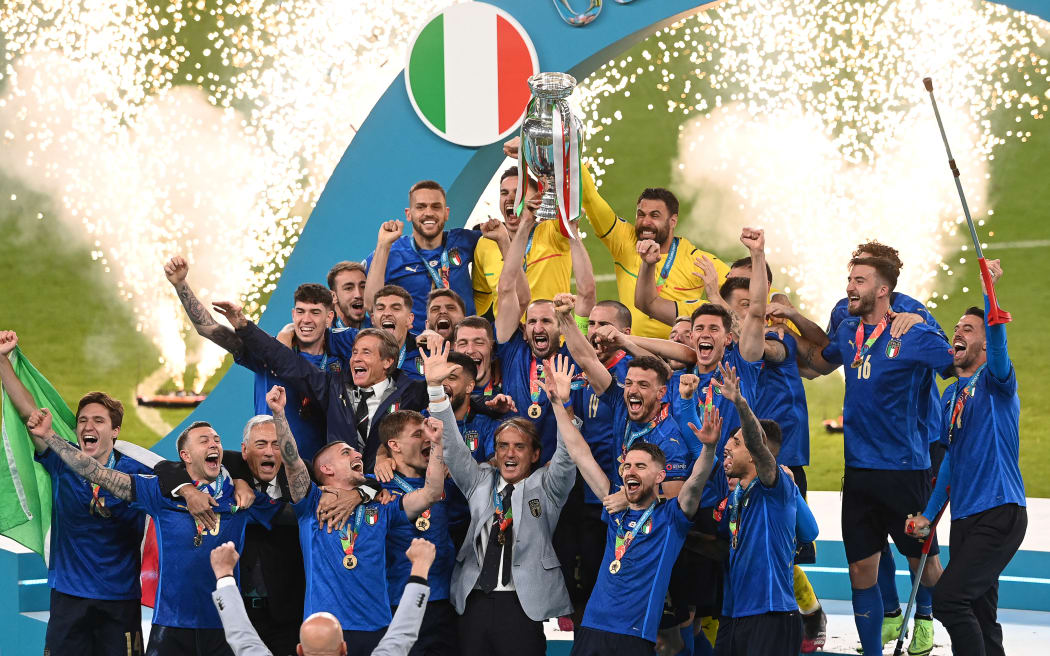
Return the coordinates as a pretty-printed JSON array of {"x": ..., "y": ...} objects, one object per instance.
[
  {"x": 198, "y": 540},
  {"x": 534, "y": 411},
  {"x": 614, "y": 566},
  {"x": 350, "y": 561},
  {"x": 422, "y": 523},
  {"x": 501, "y": 538}
]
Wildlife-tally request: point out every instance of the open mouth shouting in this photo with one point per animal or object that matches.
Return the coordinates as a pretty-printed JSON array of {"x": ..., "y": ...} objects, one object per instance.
[
  {"x": 359, "y": 373},
  {"x": 511, "y": 467},
  {"x": 358, "y": 467},
  {"x": 425, "y": 451},
  {"x": 267, "y": 467},
  {"x": 357, "y": 305},
  {"x": 387, "y": 322},
  {"x": 634, "y": 405},
  {"x": 443, "y": 324},
  {"x": 541, "y": 342},
  {"x": 705, "y": 349},
  {"x": 632, "y": 486},
  {"x": 212, "y": 461}
]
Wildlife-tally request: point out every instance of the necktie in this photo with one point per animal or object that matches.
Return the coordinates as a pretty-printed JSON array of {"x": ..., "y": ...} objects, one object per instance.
[
  {"x": 362, "y": 414},
  {"x": 490, "y": 567}
]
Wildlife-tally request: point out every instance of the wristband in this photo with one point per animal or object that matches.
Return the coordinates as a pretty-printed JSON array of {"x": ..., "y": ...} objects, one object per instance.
[
  {"x": 567, "y": 405},
  {"x": 435, "y": 392}
]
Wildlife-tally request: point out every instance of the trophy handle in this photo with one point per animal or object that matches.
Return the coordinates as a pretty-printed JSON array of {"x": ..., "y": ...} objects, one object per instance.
[{"x": 569, "y": 15}]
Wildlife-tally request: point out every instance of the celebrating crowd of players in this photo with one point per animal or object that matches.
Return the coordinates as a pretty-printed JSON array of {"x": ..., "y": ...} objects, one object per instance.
[{"x": 634, "y": 467}]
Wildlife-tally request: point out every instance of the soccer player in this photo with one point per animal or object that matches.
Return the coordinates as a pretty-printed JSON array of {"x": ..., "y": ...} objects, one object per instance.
[
  {"x": 681, "y": 332},
  {"x": 346, "y": 569},
  {"x": 347, "y": 282},
  {"x": 507, "y": 580},
  {"x": 93, "y": 571},
  {"x": 522, "y": 350},
  {"x": 184, "y": 623},
  {"x": 312, "y": 314},
  {"x": 432, "y": 258},
  {"x": 547, "y": 262},
  {"x": 475, "y": 337},
  {"x": 445, "y": 309},
  {"x": 886, "y": 448},
  {"x": 981, "y": 413},
  {"x": 759, "y": 615},
  {"x": 643, "y": 541},
  {"x": 403, "y": 433},
  {"x": 655, "y": 219}
]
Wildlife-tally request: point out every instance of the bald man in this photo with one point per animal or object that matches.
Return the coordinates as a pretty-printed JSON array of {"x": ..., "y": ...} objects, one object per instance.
[{"x": 321, "y": 634}]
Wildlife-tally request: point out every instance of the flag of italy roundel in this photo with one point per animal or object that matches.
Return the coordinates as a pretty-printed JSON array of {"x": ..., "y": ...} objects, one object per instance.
[{"x": 467, "y": 73}]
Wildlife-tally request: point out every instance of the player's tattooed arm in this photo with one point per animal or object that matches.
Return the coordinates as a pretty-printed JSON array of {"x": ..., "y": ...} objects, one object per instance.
[
  {"x": 116, "y": 482},
  {"x": 203, "y": 322},
  {"x": 294, "y": 467},
  {"x": 754, "y": 437},
  {"x": 809, "y": 358}
]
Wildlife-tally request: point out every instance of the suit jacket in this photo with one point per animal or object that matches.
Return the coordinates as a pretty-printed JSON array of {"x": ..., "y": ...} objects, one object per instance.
[
  {"x": 332, "y": 391},
  {"x": 398, "y": 640},
  {"x": 537, "y": 502}
]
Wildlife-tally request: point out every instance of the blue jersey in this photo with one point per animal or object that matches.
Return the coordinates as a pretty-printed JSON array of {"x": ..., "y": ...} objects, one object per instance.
[
  {"x": 479, "y": 432},
  {"x": 407, "y": 267},
  {"x": 94, "y": 554},
  {"x": 516, "y": 361},
  {"x": 185, "y": 580},
  {"x": 305, "y": 418},
  {"x": 597, "y": 427},
  {"x": 762, "y": 549},
  {"x": 401, "y": 534},
  {"x": 782, "y": 398},
  {"x": 984, "y": 446},
  {"x": 358, "y": 597},
  {"x": 929, "y": 412},
  {"x": 884, "y": 395},
  {"x": 748, "y": 373},
  {"x": 631, "y": 601},
  {"x": 664, "y": 435}
]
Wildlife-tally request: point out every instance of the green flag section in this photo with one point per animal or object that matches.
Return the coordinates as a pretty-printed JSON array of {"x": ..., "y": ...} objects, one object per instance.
[
  {"x": 467, "y": 74},
  {"x": 25, "y": 488}
]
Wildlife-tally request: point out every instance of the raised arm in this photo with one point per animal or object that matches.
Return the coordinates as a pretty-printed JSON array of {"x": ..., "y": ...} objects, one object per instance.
[
  {"x": 995, "y": 336},
  {"x": 583, "y": 271},
  {"x": 389, "y": 232},
  {"x": 810, "y": 356},
  {"x": 708, "y": 274},
  {"x": 416, "y": 502},
  {"x": 685, "y": 412},
  {"x": 646, "y": 296},
  {"x": 689, "y": 495},
  {"x": 581, "y": 350},
  {"x": 754, "y": 436},
  {"x": 601, "y": 216},
  {"x": 511, "y": 304},
  {"x": 294, "y": 467},
  {"x": 461, "y": 464},
  {"x": 753, "y": 323},
  {"x": 175, "y": 270},
  {"x": 20, "y": 397},
  {"x": 663, "y": 348},
  {"x": 116, "y": 482},
  {"x": 807, "y": 329},
  {"x": 559, "y": 375},
  {"x": 404, "y": 627}
]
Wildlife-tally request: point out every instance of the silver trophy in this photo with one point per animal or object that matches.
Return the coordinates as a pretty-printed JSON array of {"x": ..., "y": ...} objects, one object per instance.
[{"x": 549, "y": 91}]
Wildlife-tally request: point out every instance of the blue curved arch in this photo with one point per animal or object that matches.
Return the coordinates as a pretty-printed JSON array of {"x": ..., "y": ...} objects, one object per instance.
[{"x": 393, "y": 149}]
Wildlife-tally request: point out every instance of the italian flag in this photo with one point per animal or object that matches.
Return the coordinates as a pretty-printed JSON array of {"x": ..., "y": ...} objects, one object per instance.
[{"x": 467, "y": 73}]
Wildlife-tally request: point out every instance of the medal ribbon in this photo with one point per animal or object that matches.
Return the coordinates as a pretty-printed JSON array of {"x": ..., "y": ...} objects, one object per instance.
[
  {"x": 624, "y": 539},
  {"x": 567, "y": 165},
  {"x": 736, "y": 500},
  {"x": 620, "y": 355},
  {"x": 213, "y": 489},
  {"x": 630, "y": 438},
  {"x": 959, "y": 400},
  {"x": 347, "y": 541},
  {"x": 672, "y": 252},
  {"x": 504, "y": 520},
  {"x": 401, "y": 357},
  {"x": 407, "y": 488},
  {"x": 862, "y": 350},
  {"x": 440, "y": 280},
  {"x": 535, "y": 374},
  {"x": 98, "y": 504},
  {"x": 528, "y": 247}
]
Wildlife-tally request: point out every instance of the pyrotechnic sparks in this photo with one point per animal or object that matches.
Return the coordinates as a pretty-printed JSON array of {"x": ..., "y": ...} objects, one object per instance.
[
  {"x": 811, "y": 121},
  {"x": 213, "y": 141}
]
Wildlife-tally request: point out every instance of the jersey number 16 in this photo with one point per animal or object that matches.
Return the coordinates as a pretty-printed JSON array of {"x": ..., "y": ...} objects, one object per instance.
[{"x": 864, "y": 370}]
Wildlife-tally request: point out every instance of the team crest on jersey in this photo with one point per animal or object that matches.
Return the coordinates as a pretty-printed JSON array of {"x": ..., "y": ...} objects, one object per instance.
[
  {"x": 534, "y": 507},
  {"x": 893, "y": 348},
  {"x": 394, "y": 407},
  {"x": 371, "y": 516},
  {"x": 471, "y": 438},
  {"x": 419, "y": 363},
  {"x": 647, "y": 529},
  {"x": 454, "y": 257},
  {"x": 334, "y": 367}
]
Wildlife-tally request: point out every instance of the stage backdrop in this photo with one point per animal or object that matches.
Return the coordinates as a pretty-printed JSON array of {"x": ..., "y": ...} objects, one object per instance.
[{"x": 393, "y": 149}]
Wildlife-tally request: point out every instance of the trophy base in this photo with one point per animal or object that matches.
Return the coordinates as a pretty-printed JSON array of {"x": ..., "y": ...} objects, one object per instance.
[{"x": 548, "y": 209}]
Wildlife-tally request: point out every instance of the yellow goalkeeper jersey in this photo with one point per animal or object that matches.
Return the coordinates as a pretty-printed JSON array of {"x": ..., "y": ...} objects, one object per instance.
[
  {"x": 618, "y": 236},
  {"x": 548, "y": 266}
]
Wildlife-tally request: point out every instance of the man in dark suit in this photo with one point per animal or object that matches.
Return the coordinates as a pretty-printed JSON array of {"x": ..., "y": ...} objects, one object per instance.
[{"x": 355, "y": 399}]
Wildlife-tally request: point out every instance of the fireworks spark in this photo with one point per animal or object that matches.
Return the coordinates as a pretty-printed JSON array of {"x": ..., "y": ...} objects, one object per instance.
[
  {"x": 214, "y": 141},
  {"x": 809, "y": 118}
]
